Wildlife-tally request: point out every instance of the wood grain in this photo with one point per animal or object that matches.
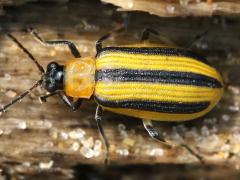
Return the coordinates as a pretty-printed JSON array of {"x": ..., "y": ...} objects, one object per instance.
[{"x": 50, "y": 138}]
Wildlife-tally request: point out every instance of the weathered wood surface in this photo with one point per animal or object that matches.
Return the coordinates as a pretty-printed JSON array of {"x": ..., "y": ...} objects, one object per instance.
[
  {"x": 174, "y": 8},
  {"x": 50, "y": 138}
]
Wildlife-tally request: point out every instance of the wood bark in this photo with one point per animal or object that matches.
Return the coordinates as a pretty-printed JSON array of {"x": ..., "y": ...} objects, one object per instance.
[
  {"x": 49, "y": 138},
  {"x": 175, "y": 8}
]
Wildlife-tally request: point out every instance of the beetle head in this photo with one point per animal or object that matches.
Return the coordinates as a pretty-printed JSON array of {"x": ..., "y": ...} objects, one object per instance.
[{"x": 52, "y": 79}]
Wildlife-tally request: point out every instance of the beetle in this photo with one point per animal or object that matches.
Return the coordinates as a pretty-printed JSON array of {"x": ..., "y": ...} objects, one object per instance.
[{"x": 148, "y": 81}]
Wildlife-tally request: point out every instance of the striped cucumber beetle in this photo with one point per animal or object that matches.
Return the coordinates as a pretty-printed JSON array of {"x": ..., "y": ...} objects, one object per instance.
[{"x": 147, "y": 81}]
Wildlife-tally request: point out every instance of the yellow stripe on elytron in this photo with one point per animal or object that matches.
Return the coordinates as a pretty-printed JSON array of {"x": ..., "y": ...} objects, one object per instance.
[
  {"x": 111, "y": 60},
  {"x": 156, "y": 92},
  {"x": 158, "y": 116}
]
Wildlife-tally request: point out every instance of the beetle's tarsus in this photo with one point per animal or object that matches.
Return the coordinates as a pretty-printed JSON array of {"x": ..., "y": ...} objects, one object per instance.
[{"x": 192, "y": 152}]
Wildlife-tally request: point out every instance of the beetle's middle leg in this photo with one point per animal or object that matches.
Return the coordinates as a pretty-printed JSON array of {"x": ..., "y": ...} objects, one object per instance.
[{"x": 98, "y": 118}]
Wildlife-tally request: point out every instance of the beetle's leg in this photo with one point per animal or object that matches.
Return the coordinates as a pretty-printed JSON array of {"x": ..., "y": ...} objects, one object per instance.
[
  {"x": 148, "y": 31},
  {"x": 155, "y": 135},
  {"x": 98, "y": 118},
  {"x": 196, "y": 39},
  {"x": 44, "y": 98},
  {"x": 74, "y": 105},
  {"x": 200, "y": 158},
  {"x": 70, "y": 44},
  {"x": 106, "y": 36},
  {"x": 153, "y": 132}
]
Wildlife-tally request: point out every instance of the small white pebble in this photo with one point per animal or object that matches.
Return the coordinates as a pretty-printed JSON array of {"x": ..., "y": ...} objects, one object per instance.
[
  {"x": 63, "y": 135},
  {"x": 234, "y": 90},
  {"x": 234, "y": 108},
  {"x": 77, "y": 134},
  {"x": 123, "y": 152},
  {"x": 26, "y": 164},
  {"x": 47, "y": 124},
  {"x": 88, "y": 143},
  {"x": 46, "y": 165},
  {"x": 22, "y": 125},
  {"x": 226, "y": 147},
  {"x": 87, "y": 152},
  {"x": 11, "y": 93},
  {"x": 54, "y": 133},
  {"x": 205, "y": 131},
  {"x": 75, "y": 146},
  {"x": 225, "y": 117},
  {"x": 156, "y": 152}
]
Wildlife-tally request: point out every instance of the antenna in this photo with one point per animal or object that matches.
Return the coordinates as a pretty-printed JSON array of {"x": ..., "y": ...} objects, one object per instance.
[
  {"x": 40, "y": 68},
  {"x": 21, "y": 96},
  {"x": 39, "y": 82}
]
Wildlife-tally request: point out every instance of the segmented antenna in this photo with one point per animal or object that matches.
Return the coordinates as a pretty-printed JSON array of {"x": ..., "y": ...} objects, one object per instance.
[
  {"x": 21, "y": 96},
  {"x": 39, "y": 82},
  {"x": 40, "y": 68}
]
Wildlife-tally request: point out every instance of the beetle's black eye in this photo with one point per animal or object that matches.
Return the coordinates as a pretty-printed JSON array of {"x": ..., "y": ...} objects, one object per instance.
[
  {"x": 52, "y": 66},
  {"x": 51, "y": 86}
]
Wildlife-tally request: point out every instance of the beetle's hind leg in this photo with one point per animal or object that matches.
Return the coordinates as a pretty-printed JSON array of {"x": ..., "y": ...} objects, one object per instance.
[
  {"x": 98, "y": 118},
  {"x": 149, "y": 31},
  {"x": 156, "y": 135},
  {"x": 107, "y": 36},
  {"x": 152, "y": 131},
  {"x": 70, "y": 44},
  {"x": 197, "y": 38}
]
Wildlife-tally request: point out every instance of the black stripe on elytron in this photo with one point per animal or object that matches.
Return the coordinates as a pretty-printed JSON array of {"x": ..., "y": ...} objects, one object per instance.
[
  {"x": 163, "y": 107},
  {"x": 160, "y": 76},
  {"x": 155, "y": 51}
]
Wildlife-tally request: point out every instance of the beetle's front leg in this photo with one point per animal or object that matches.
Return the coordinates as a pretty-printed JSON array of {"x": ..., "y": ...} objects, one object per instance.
[
  {"x": 74, "y": 105},
  {"x": 70, "y": 44}
]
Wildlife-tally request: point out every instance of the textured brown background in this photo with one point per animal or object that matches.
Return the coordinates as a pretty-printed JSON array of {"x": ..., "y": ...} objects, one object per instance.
[{"x": 42, "y": 140}]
